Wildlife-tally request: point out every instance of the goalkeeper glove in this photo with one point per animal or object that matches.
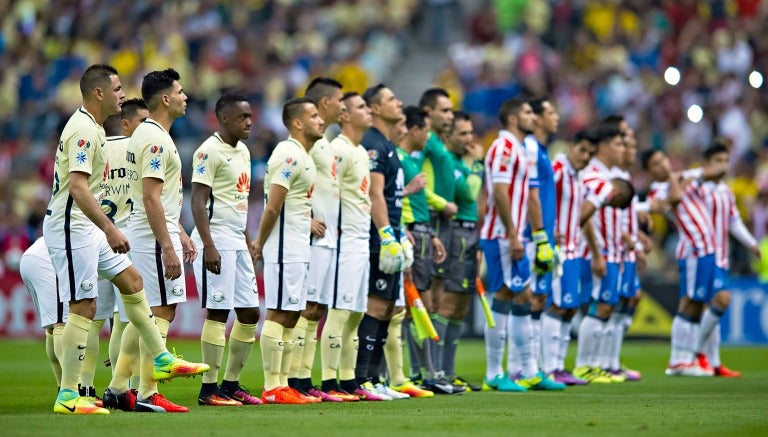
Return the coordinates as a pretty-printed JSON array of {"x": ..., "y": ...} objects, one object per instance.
[
  {"x": 405, "y": 242},
  {"x": 391, "y": 257},
  {"x": 544, "y": 254}
]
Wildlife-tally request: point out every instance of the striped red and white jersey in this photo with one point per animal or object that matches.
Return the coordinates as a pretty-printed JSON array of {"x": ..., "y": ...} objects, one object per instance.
[
  {"x": 606, "y": 221},
  {"x": 506, "y": 163},
  {"x": 721, "y": 205},
  {"x": 629, "y": 223},
  {"x": 568, "y": 200},
  {"x": 690, "y": 216}
]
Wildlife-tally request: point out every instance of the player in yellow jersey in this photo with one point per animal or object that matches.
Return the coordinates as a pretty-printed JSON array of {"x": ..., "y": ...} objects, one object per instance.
[
  {"x": 224, "y": 274},
  {"x": 80, "y": 252},
  {"x": 153, "y": 227},
  {"x": 326, "y": 94},
  {"x": 283, "y": 245}
]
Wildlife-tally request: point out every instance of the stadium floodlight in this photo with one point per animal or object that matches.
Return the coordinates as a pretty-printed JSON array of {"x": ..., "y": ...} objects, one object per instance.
[
  {"x": 672, "y": 76},
  {"x": 756, "y": 79},
  {"x": 695, "y": 113}
]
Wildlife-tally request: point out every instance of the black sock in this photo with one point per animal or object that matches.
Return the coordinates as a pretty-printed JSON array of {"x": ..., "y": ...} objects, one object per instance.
[
  {"x": 377, "y": 355},
  {"x": 329, "y": 385},
  {"x": 368, "y": 340},
  {"x": 349, "y": 385},
  {"x": 230, "y": 386},
  {"x": 293, "y": 383},
  {"x": 305, "y": 384},
  {"x": 208, "y": 388}
]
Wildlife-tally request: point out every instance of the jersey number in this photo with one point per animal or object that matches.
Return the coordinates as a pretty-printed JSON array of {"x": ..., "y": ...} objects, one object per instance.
[{"x": 110, "y": 213}]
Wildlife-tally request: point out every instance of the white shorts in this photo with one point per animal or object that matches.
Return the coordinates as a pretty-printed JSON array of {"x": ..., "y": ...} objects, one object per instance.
[
  {"x": 160, "y": 291},
  {"x": 322, "y": 274},
  {"x": 285, "y": 286},
  {"x": 400, "y": 302},
  {"x": 79, "y": 269},
  {"x": 351, "y": 291},
  {"x": 109, "y": 302},
  {"x": 234, "y": 287},
  {"x": 40, "y": 278}
]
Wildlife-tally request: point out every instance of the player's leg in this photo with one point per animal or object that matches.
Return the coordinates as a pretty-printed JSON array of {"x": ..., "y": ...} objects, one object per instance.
[
  {"x": 711, "y": 318},
  {"x": 556, "y": 322},
  {"x": 593, "y": 327},
  {"x": 105, "y": 306}
]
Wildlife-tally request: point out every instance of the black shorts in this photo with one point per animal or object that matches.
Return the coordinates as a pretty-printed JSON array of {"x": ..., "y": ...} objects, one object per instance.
[
  {"x": 421, "y": 270},
  {"x": 462, "y": 258},
  {"x": 442, "y": 226},
  {"x": 383, "y": 285}
]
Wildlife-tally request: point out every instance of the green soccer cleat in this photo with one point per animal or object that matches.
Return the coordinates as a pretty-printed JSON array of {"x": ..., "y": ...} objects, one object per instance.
[
  {"x": 592, "y": 374},
  {"x": 168, "y": 366},
  {"x": 541, "y": 382},
  {"x": 70, "y": 402}
]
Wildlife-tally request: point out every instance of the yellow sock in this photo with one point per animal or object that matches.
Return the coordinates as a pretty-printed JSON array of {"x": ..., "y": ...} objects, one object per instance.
[
  {"x": 212, "y": 341},
  {"x": 51, "y": 354},
  {"x": 330, "y": 342},
  {"x": 74, "y": 341},
  {"x": 299, "y": 339},
  {"x": 91, "y": 354},
  {"x": 349, "y": 345},
  {"x": 148, "y": 384},
  {"x": 393, "y": 349},
  {"x": 115, "y": 337},
  {"x": 138, "y": 312},
  {"x": 127, "y": 364},
  {"x": 285, "y": 365},
  {"x": 272, "y": 353},
  {"x": 310, "y": 346},
  {"x": 241, "y": 341}
]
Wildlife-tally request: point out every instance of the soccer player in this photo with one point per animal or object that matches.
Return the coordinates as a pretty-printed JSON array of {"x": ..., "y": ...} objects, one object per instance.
[
  {"x": 388, "y": 245},
  {"x": 80, "y": 252},
  {"x": 540, "y": 230},
  {"x": 726, "y": 220},
  {"x": 283, "y": 245},
  {"x": 40, "y": 279},
  {"x": 224, "y": 274},
  {"x": 427, "y": 247},
  {"x": 326, "y": 94},
  {"x": 507, "y": 179},
  {"x": 159, "y": 242},
  {"x": 695, "y": 253},
  {"x": 556, "y": 321},
  {"x": 601, "y": 187},
  {"x": 462, "y": 263}
]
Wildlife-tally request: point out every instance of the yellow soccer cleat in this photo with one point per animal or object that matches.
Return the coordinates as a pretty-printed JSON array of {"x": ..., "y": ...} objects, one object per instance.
[
  {"x": 412, "y": 390},
  {"x": 70, "y": 402},
  {"x": 168, "y": 366}
]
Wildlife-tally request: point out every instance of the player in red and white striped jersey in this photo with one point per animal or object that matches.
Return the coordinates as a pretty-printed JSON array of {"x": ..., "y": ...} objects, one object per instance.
[
  {"x": 507, "y": 182},
  {"x": 695, "y": 252},
  {"x": 726, "y": 219}
]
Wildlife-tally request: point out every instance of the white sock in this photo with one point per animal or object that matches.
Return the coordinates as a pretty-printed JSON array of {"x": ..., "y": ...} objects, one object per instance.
[
  {"x": 494, "y": 345},
  {"x": 709, "y": 320},
  {"x": 536, "y": 340},
  {"x": 618, "y": 340},
  {"x": 682, "y": 330},
  {"x": 590, "y": 337},
  {"x": 565, "y": 339},
  {"x": 712, "y": 347},
  {"x": 514, "y": 365},
  {"x": 523, "y": 334},
  {"x": 607, "y": 343},
  {"x": 551, "y": 328}
]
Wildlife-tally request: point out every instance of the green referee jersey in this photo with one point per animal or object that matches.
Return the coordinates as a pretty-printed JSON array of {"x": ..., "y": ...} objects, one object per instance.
[
  {"x": 414, "y": 205},
  {"x": 438, "y": 167},
  {"x": 467, "y": 188}
]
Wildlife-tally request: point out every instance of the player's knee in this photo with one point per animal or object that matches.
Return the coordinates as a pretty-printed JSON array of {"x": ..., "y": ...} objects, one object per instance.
[
  {"x": 722, "y": 299},
  {"x": 248, "y": 316},
  {"x": 220, "y": 316}
]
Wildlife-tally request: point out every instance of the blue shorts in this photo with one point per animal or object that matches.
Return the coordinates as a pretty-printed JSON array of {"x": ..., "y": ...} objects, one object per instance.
[
  {"x": 516, "y": 275},
  {"x": 629, "y": 281},
  {"x": 542, "y": 283},
  {"x": 697, "y": 275},
  {"x": 585, "y": 275},
  {"x": 566, "y": 290},
  {"x": 607, "y": 289},
  {"x": 722, "y": 279}
]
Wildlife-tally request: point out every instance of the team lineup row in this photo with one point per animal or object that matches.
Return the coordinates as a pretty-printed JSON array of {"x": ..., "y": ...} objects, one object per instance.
[{"x": 390, "y": 202}]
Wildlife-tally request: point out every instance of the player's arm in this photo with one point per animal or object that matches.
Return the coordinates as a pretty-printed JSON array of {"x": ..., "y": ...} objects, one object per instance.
[
  {"x": 275, "y": 199},
  {"x": 675, "y": 193},
  {"x": 504, "y": 208},
  {"x": 152, "y": 192},
  {"x": 379, "y": 211},
  {"x": 598, "y": 263},
  {"x": 78, "y": 189},
  {"x": 740, "y": 232},
  {"x": 188, "y": 248}
]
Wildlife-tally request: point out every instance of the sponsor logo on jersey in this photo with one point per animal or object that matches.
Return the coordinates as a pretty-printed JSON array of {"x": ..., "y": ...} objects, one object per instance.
[
  {"x": 156, "y": 149},
  {"x": 200, "y": 169},
  {"x": 202, "y": 156},
  {"x": 154, "y": 164},
  {"x": 81, "y": 157},
  {"x": 364, "y": 186},
  {"x": 286, "y": 173},
  {"x": 244, "y": 183},
  {"x": 82, "y": 143}
]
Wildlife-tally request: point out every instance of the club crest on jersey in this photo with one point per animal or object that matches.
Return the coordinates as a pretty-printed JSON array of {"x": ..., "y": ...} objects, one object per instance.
[
  {"x": 373, "y": 154},
  {"x": 86, "y": 285},
  {"x": 381, "y": 284},
  {"x": 200, "y": 169},
  {"x": 81, "y": 157},
  {"x": 202, "y": 156},
  {"x": 311, "y": 290},
  {"x": 156, "y": 149},
  {"x": 154, "y": 164},
  {"x": 243, "y": 183},
  {"x": 293, "y": 300},
  {"x": 177, "y": 290},
  {"x": 218, "y": 296}
]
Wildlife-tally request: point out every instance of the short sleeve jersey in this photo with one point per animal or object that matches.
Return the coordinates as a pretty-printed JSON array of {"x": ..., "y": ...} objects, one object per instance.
[
  {"x": 291, "y": 167},
  {"x": 355, "y": 180},
  {"x": 438, "y": 168},
  {"x": 414, "y": 205},
  {"x": 542, "y": 177},
  {"x": 467, "y": 188},
  {"x": 152, "y": 154},
  {"x": 226, "y": 170},
  {"x": 79, "y": 150},
  {"x": 116, "y": 202},
  {"x": 325, "y": 198},
  {"x": 383, "y": 160}
]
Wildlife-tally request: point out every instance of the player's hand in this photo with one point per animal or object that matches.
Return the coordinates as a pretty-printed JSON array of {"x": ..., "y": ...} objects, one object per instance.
[
  {"x": 476, "y": 151},
  {"x": 440, "y": 252},
  {"x": 598, "y": 266},
  {"x": 557, "y": 261},
  {"x": 255, "y": 249},
  {"x": 117, "y": 241},
  {"x": 171, "y": 264},
  {"x": 318, "y": 228},
  {"x": 391, "y": 257},
  {"x": 416, "y": 184},
  {"x": 558, "y": 238},
  {"x": 755, "y": 251},
  {"x": 641, "y": 261},
  {"x": 407, "y": 245},
  {"x": 544, "y": 253},
  {"x": 212, "y": 259},
  {"x": 450, "y": 209},
  {"x": 516, "y": 249},
  {"x": 188, "y": 248}
]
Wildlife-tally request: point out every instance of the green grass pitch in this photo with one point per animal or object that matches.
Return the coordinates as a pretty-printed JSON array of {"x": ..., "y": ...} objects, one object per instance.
[{"x": 658, "y": 405}]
